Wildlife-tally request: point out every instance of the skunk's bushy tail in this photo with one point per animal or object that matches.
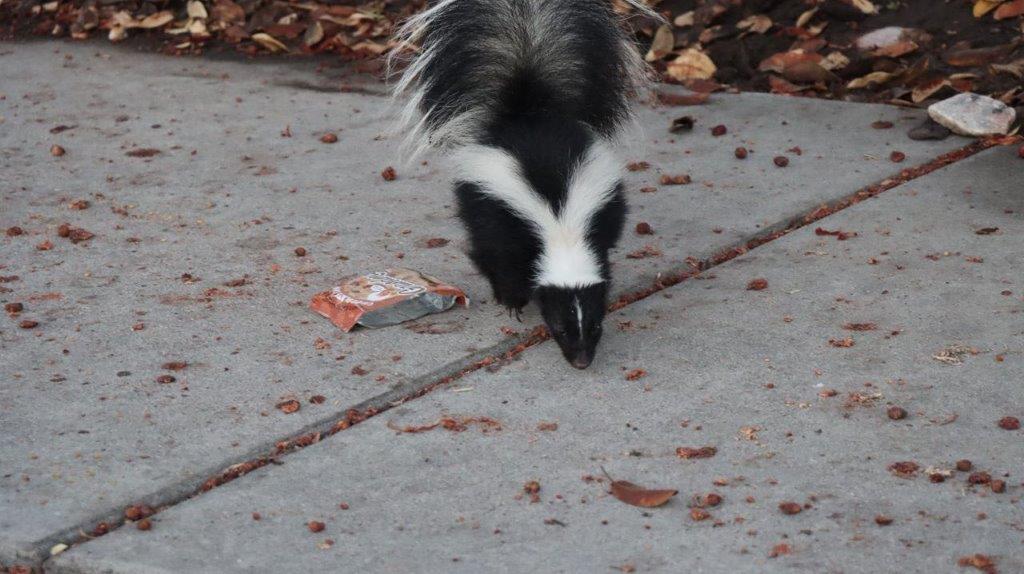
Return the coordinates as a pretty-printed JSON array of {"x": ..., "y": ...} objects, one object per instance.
[{"x": 482, "y": 61}]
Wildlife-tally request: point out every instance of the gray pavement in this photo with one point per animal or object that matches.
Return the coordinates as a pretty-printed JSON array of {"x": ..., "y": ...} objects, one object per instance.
[
  {"x": 88, "y": 431},
  {"x": 751, "y": 373}
]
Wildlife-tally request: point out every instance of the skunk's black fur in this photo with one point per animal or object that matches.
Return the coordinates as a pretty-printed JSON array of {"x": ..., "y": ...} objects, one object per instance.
[{"x": 530, "y": 93}]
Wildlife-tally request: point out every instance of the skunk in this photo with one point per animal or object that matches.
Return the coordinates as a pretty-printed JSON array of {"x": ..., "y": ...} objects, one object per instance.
[{"x": 528, "y": 96}]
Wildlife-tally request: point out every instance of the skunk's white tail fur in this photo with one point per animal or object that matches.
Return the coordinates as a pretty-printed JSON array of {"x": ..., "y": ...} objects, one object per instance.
[{"x": 476, "y": 60}]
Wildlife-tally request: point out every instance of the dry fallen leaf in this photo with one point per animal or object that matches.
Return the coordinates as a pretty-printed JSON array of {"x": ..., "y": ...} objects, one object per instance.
[
  {"x": 1010, "y": 10},
  {"x": 896, "y": 49},
  {"x": 965, "y": 57},
  {"x": 876, "y": 78},
  {"x": 835, "y": 61},
  {"x": 691, "y": 64},
  {"x": 780, "y": 61},
  {"x": 758, "y": 24},
  {"x": 683, "y": 20},
  {"x": 156, "y": 20},
  {"x": 807, "y": 72},
  {"x": 314, "y": 33},
  {"x": 982, "y": 7},
  {"x": 639, "y": 496},
  {"x": 195, "y": 9},
  {"x": 925, "y": 90},
  {"x": 1015, "y": 67},
  {"x": 269, "y": 42},
  {"x": 664, "y": 42},
  {"x": 865, "y": 6},
  {"x": 804, "y": 18},
  {"x": 228, "y": 12}
]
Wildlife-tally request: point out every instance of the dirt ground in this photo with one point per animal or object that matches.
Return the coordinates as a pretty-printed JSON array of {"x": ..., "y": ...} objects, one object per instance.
[{"x": 800, "y": 47}]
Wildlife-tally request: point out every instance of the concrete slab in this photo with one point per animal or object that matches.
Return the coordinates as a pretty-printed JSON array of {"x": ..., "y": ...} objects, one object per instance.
[
  {"x": 796, "y": 413},
  {"x": 228, "y": 197}
]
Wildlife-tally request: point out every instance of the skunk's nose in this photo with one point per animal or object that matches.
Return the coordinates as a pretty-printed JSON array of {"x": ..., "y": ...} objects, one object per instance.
[{"x": 582, "y": 361}]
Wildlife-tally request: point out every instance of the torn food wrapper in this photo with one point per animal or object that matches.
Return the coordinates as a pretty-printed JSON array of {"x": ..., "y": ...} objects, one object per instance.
[{"x": 385, "y": 298}]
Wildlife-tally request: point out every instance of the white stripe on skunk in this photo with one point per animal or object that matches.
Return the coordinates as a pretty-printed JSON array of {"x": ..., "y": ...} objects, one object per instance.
[{"x": 567, "y": 259}]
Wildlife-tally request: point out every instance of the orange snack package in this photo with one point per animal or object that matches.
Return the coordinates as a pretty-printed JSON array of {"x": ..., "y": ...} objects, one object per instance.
[{"x": 385, "y": 298}]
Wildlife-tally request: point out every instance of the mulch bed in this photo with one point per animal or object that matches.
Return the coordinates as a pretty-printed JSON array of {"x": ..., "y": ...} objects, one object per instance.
[{"x": 799, "y": 47}]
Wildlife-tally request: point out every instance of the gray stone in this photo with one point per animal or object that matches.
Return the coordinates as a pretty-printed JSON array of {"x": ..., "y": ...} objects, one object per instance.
[
  {"x": 794, "y": 418},
  {"x": 973, "y": 115}
]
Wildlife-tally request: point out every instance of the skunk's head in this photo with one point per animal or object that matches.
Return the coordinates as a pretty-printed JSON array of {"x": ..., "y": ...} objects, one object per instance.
[{"x": 574, "y": 316}]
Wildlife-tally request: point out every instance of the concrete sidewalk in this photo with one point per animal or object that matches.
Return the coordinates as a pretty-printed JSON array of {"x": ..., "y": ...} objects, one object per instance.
[
  {"x": 196, "y": 244},
  {"x": 750, "y": 373}
]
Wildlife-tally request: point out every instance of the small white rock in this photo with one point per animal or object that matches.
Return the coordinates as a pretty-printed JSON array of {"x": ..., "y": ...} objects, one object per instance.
[
  {"x": 971, "y": 114},
  {"x": 890, "y": 35},
  {"x": 880, "y": 38}
]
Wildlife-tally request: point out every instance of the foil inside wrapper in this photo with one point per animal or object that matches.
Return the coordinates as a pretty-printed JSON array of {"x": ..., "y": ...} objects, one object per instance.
[{"x": 384, "y": 298}]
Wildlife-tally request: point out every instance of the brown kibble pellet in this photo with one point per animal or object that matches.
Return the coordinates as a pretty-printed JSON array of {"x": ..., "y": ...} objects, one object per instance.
[
  {"x": 979, "y": 478},
  {"x": 689, "y": 452},
  {"x": 998, "y": 486},
  {"x": 64, "y": 230},
  {"x": 781, "y": 160},
  {"x": 318, "y": 399},
  {"x": 719, "y": 130},
  {"x": 712, "y": 499},
  {"x": 165, "y": 379},
  {"x": 896, "y": 413},
  {"x": 389, "y": 174},
  {"x": 964, "y": 465},
  {"x": 329, "y": 138},
  {"x": 883, "y": 520},
  {"x": 1009, "y": 423},
  {"x": 644, "y": 228},
  {"x": 288, "y": 407},
  {"x": 532, "y": 487},
  {"x": 741, "y": 153},
  {"x": 937, "y": 477},
  {"x": 144, "y": 524},
  {"x": 57, "y": 151},
  {"x": 13, "y": 308},
  {"x": 698, "y": 514},
  {"x": 790, "y": 508},
  {"x": 759, "y": 284},
  {"x": 315, "y": 526},
  {"x": 681, "y": 179},
  {"x": 300, "y": 251},
  {"x": 257, "y": 516},
  {"x": 15, "y": 231},
  {"x": 897, "y": 157},
  {"x": 28, "y": 324}
]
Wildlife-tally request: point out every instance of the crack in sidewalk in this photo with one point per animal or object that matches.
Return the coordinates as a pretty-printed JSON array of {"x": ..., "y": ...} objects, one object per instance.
[{"x": 271, "y": 452}]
